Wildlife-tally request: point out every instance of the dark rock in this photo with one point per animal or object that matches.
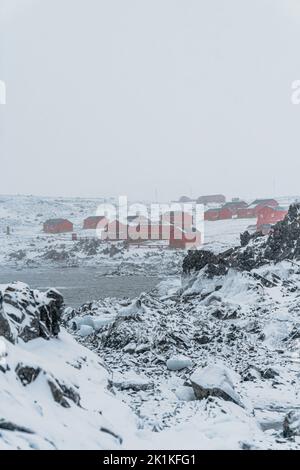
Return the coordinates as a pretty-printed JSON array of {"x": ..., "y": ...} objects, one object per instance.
[
  {"x": 27, "y": 374},
  {"x": 199, "y": 259},
  {"x": 57, "y": 256},
  {"x": 291, "y": 424},
  {"x": 269, "y": 373},
  {"x": 201, "y": 339},
  {"x": 8, "y": 426},
  {"x": 111, "y": 433},
  {"x": 33, "y": 316},
  {"x": 70, "y": 393},
  {"x": 251, "y": 374},
  {"x": 245, "y": 238},
  {"x": 18, "y": 255},
  {"x": 58, "y": 394}
]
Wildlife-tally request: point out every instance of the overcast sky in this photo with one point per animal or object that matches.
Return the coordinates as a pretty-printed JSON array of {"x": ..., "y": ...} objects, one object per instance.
[{"x": 145, "y": 97}]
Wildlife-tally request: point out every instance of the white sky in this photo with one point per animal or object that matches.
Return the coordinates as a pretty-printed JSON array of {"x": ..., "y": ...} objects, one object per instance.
[{"x": 137, "y": 97}]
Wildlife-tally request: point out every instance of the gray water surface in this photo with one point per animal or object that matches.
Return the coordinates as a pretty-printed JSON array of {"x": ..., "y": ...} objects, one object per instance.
[{"x": 80, "y": 285}]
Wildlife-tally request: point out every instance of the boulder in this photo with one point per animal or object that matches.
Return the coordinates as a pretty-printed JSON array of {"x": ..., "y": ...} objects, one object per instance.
[
  {"x": 27, "y": 374},
  {"x": 291, "y": 424},
  {"x": 178, "y": 363},
  {"x": 85, "y": 330},
  {"x": 214, "y": 381},
  {"x": 132, "y": 310},
  {"x": 130, "y": 347},
  {"x": 185, "y": 393},
  {"x": 130, "y": 381},
  {"x": 29, "y": 314}
]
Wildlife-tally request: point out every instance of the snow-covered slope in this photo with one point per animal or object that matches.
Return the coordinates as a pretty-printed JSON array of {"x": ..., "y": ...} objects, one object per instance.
[{"x": 53, "y": 392}]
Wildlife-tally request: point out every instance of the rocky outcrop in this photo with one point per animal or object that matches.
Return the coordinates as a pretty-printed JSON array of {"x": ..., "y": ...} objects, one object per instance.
[
  {"x": 214, "y": 381},
  {"x": 28, "y": 314},
  {"x": 284, "y": 240},
  {"x": 283, "y": 243},
  {"x": 291, "y": 424}
]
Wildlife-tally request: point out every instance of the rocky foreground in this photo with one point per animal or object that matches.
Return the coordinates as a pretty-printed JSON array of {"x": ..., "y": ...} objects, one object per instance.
[
  {"x": 49, "y": 383},
  {"x": 212, "y": 362}
]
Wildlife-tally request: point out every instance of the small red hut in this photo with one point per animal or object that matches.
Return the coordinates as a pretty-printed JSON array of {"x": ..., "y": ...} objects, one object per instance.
[
  {"x": 58, "y": 226},
  {"x": 94, "y": 222}
]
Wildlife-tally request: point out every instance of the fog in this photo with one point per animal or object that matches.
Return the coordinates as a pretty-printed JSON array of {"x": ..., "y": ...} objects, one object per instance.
[{"x": 150, "y": 98}]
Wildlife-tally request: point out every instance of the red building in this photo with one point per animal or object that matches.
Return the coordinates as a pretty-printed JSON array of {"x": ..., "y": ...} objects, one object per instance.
[
  {"x": 94, "y": 222},
  {"x": 235, "y": 206},
  {"x": 222, "y": 213},
  {"x": 58, "y": 226},
  {"x": 246, "y": 213},
  {"x": 270, "y": 216},
  {"x": 258, "y": 204}
]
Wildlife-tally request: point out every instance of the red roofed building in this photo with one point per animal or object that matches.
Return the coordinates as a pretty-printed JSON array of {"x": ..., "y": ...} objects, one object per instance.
[
  {"x": 258, "y": 204},
  {"x": 270, "y": 216},
  {"x": 235, "y": 206},
  {"x": 94, "y": 222},
  {"x": 58, "y": 226},
  {"x": 221, "y": 213}
]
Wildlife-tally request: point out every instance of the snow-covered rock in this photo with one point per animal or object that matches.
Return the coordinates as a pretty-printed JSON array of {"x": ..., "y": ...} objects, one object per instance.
[
  {"x": 132, "y": 310},
  {"x": 130, "y": 347},
  {"x": 130, "y": 381},
  {"x": 214, "y": 381},
  {"x": 85, "y": 330},
  {"x": 185, "y": 393},
  {"x": 291, "y": 424},
  {"x": 28, "y": 314},
  {"x": 178, "y": 363}
]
